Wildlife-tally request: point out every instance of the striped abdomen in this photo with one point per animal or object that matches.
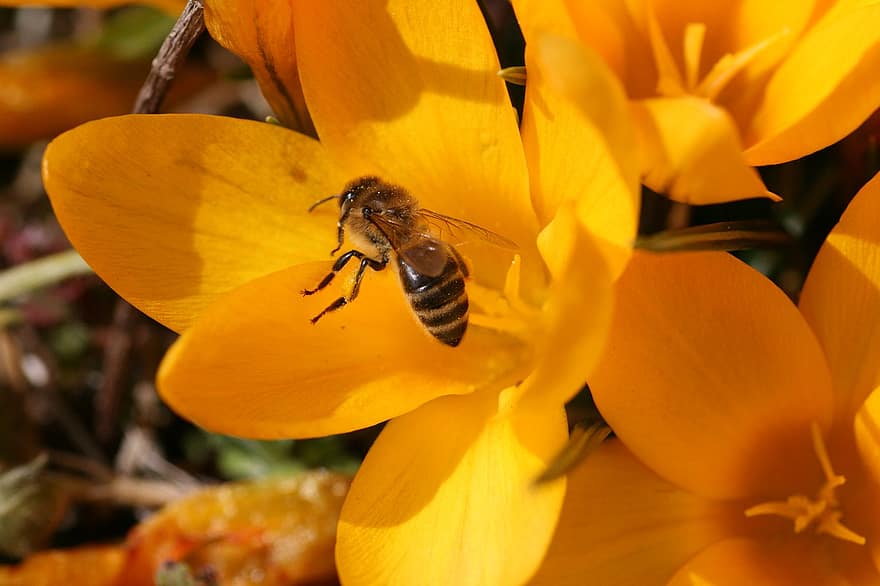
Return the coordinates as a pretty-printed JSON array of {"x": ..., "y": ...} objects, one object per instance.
[{"x": 439, "y": 301}]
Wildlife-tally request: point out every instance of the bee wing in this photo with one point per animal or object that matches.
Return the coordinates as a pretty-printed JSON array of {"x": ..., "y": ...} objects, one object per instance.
[
  {"x": 420, "y": 250},
  {"x": 457, "y": 231}
]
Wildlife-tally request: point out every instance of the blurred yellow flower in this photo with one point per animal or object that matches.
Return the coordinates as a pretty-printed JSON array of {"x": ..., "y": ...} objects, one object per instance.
[
  {"x": 202, "y": 223},
  {"x": 719, "y": 87},
  {"x": 748, "y": 448}
]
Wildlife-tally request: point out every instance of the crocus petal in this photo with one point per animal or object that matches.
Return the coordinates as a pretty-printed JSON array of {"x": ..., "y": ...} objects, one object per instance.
[
  {"x": 254, "y": 365},
  {"x": 823, "y": 90},
  {"x": 445, "y": 496},
  {"x": 867, "y": 433},
  {"x": 622, "y": 525},
  {"x": 409, "y": 90},
  {"x": 615, "y": 32},
  {"x": 194, "y": 206},
  {"x": 261, "y": 33},
  {"x": 867, "y": 436},
  {"x": 580, "y": 144},
  {"x": 841, "y": 300},
  {"x": 581, "y": 290},
  {"x": 691, "y": 152},
  {"x": 744, "y": 561},
  {"x": 712, "y": 377}
]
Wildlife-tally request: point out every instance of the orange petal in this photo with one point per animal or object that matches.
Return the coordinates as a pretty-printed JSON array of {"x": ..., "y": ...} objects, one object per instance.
[
  {"x": 254, "y": 365},
  {"x": 841, "y": 300},
  {"x": 867, "y": 428},
  {"x": 174, "y": 210},
  {"x": 691, "y": 152},
  {"x": 261, "y": 34},
  {"x": 712, "y": 377},
  {"x": 580, "y": 144},
  {"x": 445, "y": 496},
  {"x": 867, "y": 436},
  {"x": 738, "y": 561},
  {"x": 276, "y": 531},
  {"x": 824, "y": 89},
  {"x": 409, "y": 90},
  {"x": 173, "y": 7},
  {"x": 50, "y": 89},
  {"x": 84, "y": 566},
  {"x": 622, "y": 524}
]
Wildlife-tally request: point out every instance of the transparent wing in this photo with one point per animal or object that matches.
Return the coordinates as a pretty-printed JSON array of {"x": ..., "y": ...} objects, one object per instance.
[
  {"x": 457, "y": 231},
  {"x": 421, "y": 250}
]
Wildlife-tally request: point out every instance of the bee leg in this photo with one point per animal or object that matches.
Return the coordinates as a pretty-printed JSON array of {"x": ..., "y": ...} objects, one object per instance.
[
  {"x": 376, "y": 265},
  {"x": 337, "y": 266}
]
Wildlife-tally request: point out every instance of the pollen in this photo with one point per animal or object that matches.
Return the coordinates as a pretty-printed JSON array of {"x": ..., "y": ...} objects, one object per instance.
[{"x": 823, "y": 512}]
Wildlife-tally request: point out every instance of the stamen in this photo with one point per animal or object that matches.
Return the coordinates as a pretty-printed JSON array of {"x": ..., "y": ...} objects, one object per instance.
[
  {"x": 669, "y": 82},
  {"x": 823, "y": 510},
  {"x": 694, "y": 34},
  {"x": 726, "y": 68},
  {"x": 504, "y": 311}
]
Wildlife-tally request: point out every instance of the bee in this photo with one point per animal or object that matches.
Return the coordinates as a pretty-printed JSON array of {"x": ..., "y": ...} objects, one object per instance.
[{"x": 384, "y": 220}]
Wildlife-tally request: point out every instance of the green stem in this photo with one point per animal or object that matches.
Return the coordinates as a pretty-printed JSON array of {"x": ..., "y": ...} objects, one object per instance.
[{"x": 39, "y": 273}]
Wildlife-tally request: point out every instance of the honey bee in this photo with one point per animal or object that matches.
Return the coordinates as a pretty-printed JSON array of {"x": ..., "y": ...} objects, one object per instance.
[{"x": 384, "y": 219}]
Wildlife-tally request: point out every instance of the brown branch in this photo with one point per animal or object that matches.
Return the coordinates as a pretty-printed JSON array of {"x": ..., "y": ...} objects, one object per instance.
[
  {"x": 171, "y": 54},
  {"x": 117, "y": 349}
]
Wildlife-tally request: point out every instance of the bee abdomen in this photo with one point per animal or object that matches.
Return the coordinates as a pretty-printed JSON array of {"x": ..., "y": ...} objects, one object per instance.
[
  {"x": 442, "y": 307},
  {"x": 447, "y": 320}
]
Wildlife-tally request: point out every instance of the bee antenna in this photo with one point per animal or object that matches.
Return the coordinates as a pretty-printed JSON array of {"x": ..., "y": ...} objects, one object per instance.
[{"x": 322, "y": 200}]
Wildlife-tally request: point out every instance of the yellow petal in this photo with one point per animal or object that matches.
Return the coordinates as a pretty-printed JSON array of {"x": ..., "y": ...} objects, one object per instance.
[
  {"x": 756, "y": 21},
  {"x": 580, "y": 144},
  {"x": 445, "y": 496},
  {"x": 172, "y": 211},
  {"x": 622, "y": 525},
  {"x": 712, "y": 377},
  {"x": 738, "y": 561},
  {"x": 409, "y": 90},
  {"x": 618, "y": 33},
  {"x": 581, "y": 290},
  {"x": 841, "y": 300},
  {"x": 824, "y": 89},
  {"x": 254, "y": 365},
  {"x": 261, "y": 33},
  {"x": 691, "y": 152}
]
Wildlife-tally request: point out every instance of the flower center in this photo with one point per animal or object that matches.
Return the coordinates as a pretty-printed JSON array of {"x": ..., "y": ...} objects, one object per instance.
[
  {"x": 672, "y": 83},
  {"x": 823, "y": 512},
  {"x": 505, "y": 311}
]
